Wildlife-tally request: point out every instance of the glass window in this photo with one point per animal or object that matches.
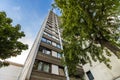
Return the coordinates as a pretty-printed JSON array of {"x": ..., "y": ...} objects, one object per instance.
[
  {"x": 90, "y": 76},
  {"x": 49, "y": 35},
  {"x": 48, "y": 51},
  {"x": 49, "y": 42},
  {"x": 44, "y": 40},
  {"x": 46, "y": 67},
  {"x": 40, "y": 66},
  {"x": 45, "y": 50},
  {"x": 58, "y": 46},
  {"x": 53, "y": 43},
  {"x": 59, "y": 55},
  {"x": 43, "y": 66}
]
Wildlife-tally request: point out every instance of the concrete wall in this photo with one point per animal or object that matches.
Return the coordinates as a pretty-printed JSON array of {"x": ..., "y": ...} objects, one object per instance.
[
  {"x": 101, "y": 72},
  {"x": 10, "y": 72}
]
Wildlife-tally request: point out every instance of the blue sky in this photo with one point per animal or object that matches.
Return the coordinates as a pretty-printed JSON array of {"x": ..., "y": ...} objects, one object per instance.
[{"x": 30, "y": 15}]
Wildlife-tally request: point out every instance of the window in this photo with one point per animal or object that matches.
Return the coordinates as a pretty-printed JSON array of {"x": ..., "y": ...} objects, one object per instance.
[
  {"x": 58, "y": 46},
  {"x": 90, "y": 76},
  {"x": 53, "y": 43},
  {"x": 46, "y": 40},
  {"x": 40, "y": 66},
  {"x": 59, "y": 55},
  {"x": 43, "y": 40},
  {"x": 43, "y": 66},
  {"x": 45, "y": 50},
  {"x": 46, "y": 67},
  {"x": 61, "y": 71},
  {"x": 48, "y": 51},
  {"x": 49, "y": 35},
  {"x": 49, "y": 42}
]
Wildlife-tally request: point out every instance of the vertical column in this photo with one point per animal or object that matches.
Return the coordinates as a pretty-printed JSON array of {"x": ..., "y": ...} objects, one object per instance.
[
  {"x": 28, "y": 65},
  {"x": 66, "y": 70}
]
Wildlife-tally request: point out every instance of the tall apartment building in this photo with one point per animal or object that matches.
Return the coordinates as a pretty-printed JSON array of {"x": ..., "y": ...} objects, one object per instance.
[
  {"x": 44, "y": 59},
  {"x": 47, "y": 64}
]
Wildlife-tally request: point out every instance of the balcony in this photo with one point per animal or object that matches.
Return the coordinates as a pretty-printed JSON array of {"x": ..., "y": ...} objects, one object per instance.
[
  {"x": 48, "y": 58},
  {"x": 38, "y": 75},
  {"x": 49, "y": 46},
  {"x": 50, "y": 32},
  {"x": 50, "y": 38}
]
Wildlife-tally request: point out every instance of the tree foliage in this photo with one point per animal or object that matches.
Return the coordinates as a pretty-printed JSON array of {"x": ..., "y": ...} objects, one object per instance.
[
  {"x": 9, "y": 39},
  {"x": 91, "y": 30}
]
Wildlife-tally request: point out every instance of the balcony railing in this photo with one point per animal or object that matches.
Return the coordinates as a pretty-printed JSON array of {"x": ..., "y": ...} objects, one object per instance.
[
  {"x": 50, "y": 32},
  {"x": 48, "y": 58},
  {"x": 50, "y": 38},
  {"x": 38, "y": 75},
  {"x": 49, "y": 46}
]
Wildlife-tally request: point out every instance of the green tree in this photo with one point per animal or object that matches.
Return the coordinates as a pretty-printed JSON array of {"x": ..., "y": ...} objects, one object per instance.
[
  {"x": 90, "y": 28},
  {"x": 9, "y": 39}
]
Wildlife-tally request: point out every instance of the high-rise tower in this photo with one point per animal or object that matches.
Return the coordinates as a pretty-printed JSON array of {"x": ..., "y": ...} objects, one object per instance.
[
  {"x": 44, "y": 59},
  {"x": 47, "y": 65}
]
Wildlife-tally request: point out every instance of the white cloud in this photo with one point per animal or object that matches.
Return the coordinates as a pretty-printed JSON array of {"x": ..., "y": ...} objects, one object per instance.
[{"x": 21, "y": 58}]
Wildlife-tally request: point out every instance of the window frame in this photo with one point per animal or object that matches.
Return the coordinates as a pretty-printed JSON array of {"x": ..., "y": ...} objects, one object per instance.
[
  {"x": 58, "y": 46},
  {"x": 44, "y": 50},
  {"x": 90, "y": 75},
  {"x": 43, "y": 66},
  {"x": 44, "y": 39},
  {"x": 59, "y": 54},
  {"x": 48, "y": 41}
]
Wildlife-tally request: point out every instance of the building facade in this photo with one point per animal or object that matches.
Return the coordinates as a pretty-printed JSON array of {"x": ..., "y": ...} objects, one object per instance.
[
  {"x": 10, "y": 72},
  {"x": 99, "y": 71},
  {"x": 47, "y": 64},
  {"x": 44, "y": 59}
]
